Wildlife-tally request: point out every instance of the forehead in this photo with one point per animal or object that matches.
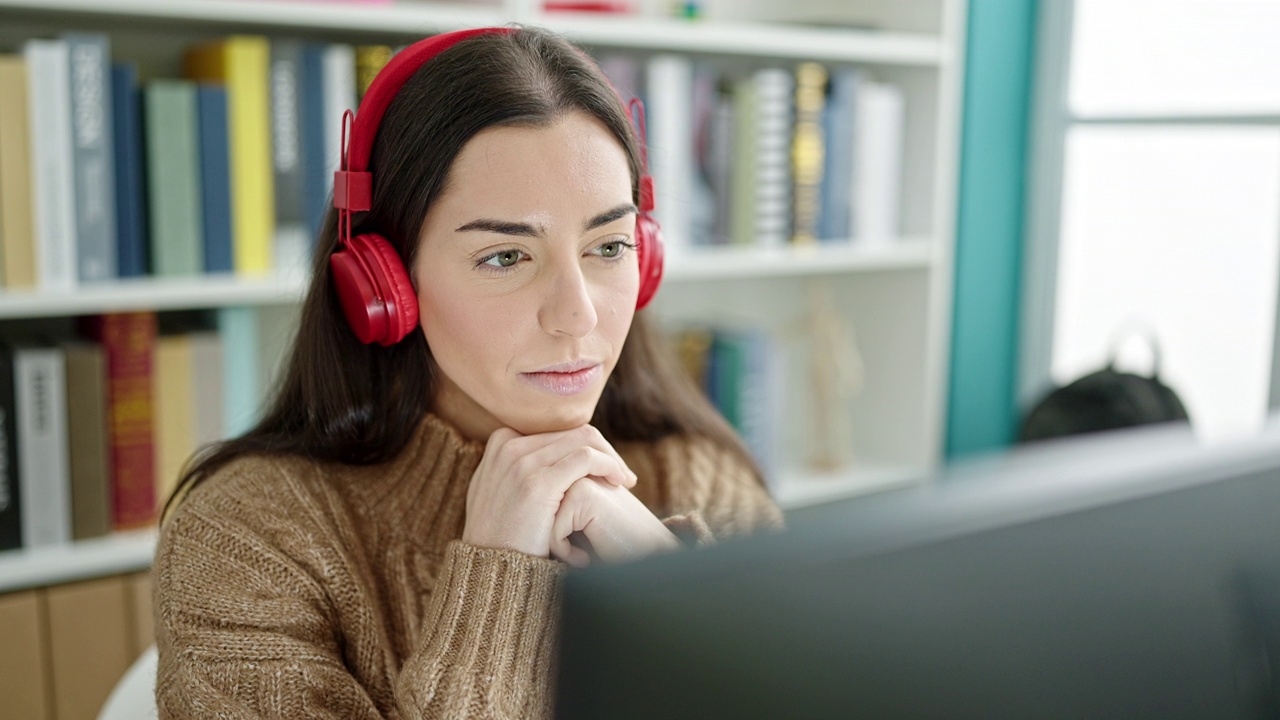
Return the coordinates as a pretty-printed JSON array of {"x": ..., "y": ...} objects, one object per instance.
[{"x": 574, "y": 158}]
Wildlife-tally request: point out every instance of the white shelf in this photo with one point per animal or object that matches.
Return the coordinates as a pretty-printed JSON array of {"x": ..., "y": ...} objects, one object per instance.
[
  {"x": 150, "y": 293},
  {"x": 685, "y": 264},
  {"x": 111, "y": 555},
  {"x": 422, "y": 18},
  {"x": 797, "y": 489}
]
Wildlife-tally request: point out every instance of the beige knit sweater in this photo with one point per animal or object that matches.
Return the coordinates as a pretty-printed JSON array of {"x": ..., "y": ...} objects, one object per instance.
[{"x": 292, "y": 589}]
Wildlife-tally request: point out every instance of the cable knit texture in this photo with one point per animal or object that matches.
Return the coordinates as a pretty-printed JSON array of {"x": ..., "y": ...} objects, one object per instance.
[{"x": 288, "y": 589}]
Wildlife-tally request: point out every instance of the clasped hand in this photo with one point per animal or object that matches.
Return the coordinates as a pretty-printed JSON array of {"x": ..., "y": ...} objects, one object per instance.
[{"x": 532, "y": 492}]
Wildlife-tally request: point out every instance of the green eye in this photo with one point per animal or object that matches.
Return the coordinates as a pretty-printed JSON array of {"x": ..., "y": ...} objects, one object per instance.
[
  {"x": 504, "y": 259},
  {"x": 612, "y": 249}
]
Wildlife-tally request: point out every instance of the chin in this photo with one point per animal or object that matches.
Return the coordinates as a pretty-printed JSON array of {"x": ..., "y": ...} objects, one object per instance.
[{"x": 550, "y": 418}]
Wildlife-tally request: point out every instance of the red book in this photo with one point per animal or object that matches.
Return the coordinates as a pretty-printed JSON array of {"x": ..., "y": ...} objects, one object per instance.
[
  {"x": 128, "y": 341},
  {"x": 596, "y": 6}
]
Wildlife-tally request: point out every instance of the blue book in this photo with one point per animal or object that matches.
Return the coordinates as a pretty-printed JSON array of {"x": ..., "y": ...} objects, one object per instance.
[
  {"x": 238, "y": 328},
  {"x": 92, "y": 155},
  {"x": 215, "y": 176},
  {"x": 131, "y": 208},
  {"x": 315, "y": 184},
  {"x": 835, "y": 220}
]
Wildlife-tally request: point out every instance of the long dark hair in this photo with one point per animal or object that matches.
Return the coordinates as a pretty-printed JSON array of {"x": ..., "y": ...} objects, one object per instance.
[{"x": 342, "y": 401}]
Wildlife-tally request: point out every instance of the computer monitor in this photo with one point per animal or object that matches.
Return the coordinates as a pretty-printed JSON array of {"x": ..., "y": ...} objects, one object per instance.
[{"x": 1135, "y": 575}]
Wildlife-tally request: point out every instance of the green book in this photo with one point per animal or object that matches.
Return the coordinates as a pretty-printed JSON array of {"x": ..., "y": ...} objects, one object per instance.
[{"x": 173, "y": 178}]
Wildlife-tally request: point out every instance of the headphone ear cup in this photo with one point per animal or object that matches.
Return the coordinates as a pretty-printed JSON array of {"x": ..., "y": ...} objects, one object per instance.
[
  {"x": 651, "y": 257},
  {"x": 374, "y": 289}
]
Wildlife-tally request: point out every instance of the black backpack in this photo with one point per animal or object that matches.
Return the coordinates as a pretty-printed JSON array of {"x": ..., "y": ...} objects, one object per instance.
[{"x": 1107, "y": 399}]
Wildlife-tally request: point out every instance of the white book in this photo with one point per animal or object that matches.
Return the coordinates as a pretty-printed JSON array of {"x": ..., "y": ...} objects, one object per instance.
[
  {"x": 339, "y": 68},
  {"x": 877, "y": 164},
  {"x": 774, "y": 97},
  {"x": 52, "y": 170},
  {"x": 669, "y": 120},
  {"x": 44, "y": 472}
]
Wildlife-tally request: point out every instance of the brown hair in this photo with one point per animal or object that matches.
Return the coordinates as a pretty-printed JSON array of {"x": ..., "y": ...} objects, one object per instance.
[{"x": 340, "y": 400}]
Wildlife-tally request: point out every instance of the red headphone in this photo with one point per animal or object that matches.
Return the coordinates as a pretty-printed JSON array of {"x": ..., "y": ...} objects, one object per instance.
[{"x": 375, "y": 291}]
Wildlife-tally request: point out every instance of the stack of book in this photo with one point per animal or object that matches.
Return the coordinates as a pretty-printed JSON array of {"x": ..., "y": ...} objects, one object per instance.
[
  {"x": 228, "y": 169},
  {"x": 772, "y": 157},
  {"x": 96, "y": 427}
]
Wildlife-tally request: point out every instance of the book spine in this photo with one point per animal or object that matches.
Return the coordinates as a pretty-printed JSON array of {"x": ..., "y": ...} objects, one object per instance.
[
  {"x": 370, "y": 59},
  {"x": 807, "y": 152},
  {"x": 16, "y": 221},
  {"x": 174, "y": 412},
  {"x": 130, "y": 191},
  {"x": 877, "y": 184},
  {"x": 314, "y": 129},
  {"x": 287, "y": 159},
  {"x": 215, "y": 177},
  {"x": 253, "y": 192},
  {"x": 834, "y": 224},
  {"x": 42, "y": 456},
  {"x": 774, "y": 90},
  {"x": 173, "y": 166},
  {"x": 48, "y": 65},
  {"x": 670, "y": 127},
  {"x": 87, "y": 438},
  {"x": 93, "y": 155},
  {"x": 10, "y": 487},
  {"x": 128, "y": 340},
  {"x": 339, "y": 96},
  {"x": 238, "y": 327}
]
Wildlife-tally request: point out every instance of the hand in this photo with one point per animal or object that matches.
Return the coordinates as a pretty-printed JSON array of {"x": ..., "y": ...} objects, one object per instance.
[
  {"x": 521, "y": 482},
  {"x": 615, "y": 523}
]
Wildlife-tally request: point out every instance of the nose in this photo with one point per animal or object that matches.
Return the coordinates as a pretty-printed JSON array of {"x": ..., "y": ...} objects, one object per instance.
[{"x": 567, "y": 308}]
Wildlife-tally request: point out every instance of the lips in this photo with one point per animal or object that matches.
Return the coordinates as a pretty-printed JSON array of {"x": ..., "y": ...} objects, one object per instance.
[{"x": 569, "y": 378}]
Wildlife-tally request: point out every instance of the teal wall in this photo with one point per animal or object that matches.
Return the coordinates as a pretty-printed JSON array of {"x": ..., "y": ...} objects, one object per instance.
[{"x": 982, "y": 410}]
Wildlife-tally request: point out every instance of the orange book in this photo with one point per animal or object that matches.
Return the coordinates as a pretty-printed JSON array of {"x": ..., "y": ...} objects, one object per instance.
[{"x": 129, "y": 342}]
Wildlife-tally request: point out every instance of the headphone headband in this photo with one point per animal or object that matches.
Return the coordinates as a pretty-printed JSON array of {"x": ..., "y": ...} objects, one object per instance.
[{"x": 352, "y": 183}]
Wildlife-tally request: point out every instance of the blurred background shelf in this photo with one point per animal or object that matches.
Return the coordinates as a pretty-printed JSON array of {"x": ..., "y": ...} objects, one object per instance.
[
  {"x": 152, "y": 293},
  {"x": 118, "y": 553},
  {"x": 725, "y": 262},
  {"x": 797, "y": 489}
]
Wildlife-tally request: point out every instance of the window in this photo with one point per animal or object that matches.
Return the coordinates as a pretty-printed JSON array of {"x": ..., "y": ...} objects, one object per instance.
[{"x": 1158, "y": 202}]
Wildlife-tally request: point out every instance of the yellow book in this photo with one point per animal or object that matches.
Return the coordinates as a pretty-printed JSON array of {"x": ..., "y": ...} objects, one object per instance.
[
  {"x": 16, "y": 202},
  {"x": 370, "y": 59},
  {"x": 807, "y": 152},
  {"x": 174, "y": 411},
  {"x": 242, "y": 63}
]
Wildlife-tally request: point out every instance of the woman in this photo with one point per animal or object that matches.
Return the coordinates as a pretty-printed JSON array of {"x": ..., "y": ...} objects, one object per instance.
[{"x": 389, "y": 540}]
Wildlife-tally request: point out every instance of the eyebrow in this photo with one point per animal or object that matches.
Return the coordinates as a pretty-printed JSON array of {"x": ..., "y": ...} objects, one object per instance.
[{"x": 503, "y": 227}]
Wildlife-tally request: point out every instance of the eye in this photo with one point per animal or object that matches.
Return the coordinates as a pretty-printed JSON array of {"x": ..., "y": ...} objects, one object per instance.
[
  {"x": 503, "y": 258},
  {"x": 614, "y": 248}
]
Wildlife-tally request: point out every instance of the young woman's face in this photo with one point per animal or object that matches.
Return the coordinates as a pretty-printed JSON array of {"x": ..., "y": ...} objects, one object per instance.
[{"x": 527, "y": 276}]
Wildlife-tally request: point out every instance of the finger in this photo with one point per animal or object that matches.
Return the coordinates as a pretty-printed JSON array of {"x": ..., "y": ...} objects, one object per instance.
[
  {"x": 583, "y": 462},
  {"x": 562, "y": 527},
  {"x": 544, "y": 447}
]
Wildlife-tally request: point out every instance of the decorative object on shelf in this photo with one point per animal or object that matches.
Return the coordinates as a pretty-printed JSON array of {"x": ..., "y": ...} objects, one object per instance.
[{"x": 837, "y": 378}]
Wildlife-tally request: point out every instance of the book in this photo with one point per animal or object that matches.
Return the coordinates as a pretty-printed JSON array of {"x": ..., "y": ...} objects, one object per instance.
[
  {"x": 215, "y": 178},
  {"x": 92, "y": 155},
  {"x": 130, "y": 191},
  {"x": 773, "y": 95},
  {"x": 173, "y": 168},
  {"x": 173, "y": 390},
  {"x": 241, "y": 62},
  {"x": 88, "y": 440},
  {"x": 370, "y": 59},
  {"x": 209, "y": 423},
  {"x": 313, "y": 129},
  {"x": 339, "y": 65},
  {"x": 128, "y": 341},
  {"x": 10, "y": 486},
  {"x": 17, "y": 232},
  {"x": 877, "y": 183},
  {"x": 39, "y": 380},
  {"x": 807, "y": 153},
  {"x": 241, "y": 387},
  {"x": 742, "y": 178},
  {"x": 834, "y": 215},
  {"x": 288, "y": 163},
  {"x": 669, "y": 83},
  {"x": 52, "y": 172}
]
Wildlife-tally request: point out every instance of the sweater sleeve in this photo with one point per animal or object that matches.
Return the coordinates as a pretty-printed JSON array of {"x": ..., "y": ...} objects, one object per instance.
[
  {"x": 714, "y": 494},
  {"x": 256, "y": 619}
]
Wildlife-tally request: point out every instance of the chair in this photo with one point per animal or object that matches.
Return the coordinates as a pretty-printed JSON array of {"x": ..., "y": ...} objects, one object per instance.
[{"x": 134, "y": 697}]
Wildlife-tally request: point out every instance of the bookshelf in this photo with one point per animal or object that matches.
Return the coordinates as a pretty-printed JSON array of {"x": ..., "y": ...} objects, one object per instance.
[{"x": 893, "y": 293}]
